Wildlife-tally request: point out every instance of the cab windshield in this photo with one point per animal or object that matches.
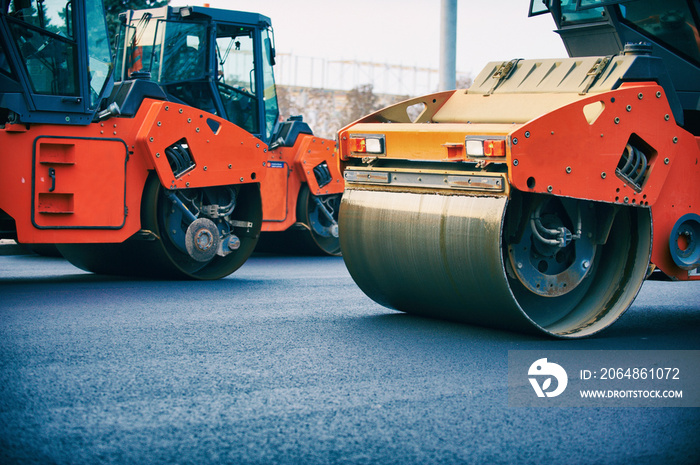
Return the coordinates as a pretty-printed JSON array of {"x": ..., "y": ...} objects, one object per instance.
[
  {"x": 45, "y": 33},
  {"x": 669, "y": 22},
  {"x": 580, "y": 11},
  {"x": 269, "y": 89},
  {"x": 223, "y": 68},
  {"x": 235, "y": 75},
  {"x": 99, "y": 53}
]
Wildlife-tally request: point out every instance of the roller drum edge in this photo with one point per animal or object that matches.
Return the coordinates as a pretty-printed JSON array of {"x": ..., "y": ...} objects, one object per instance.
[{"x": 445, "y": 256}]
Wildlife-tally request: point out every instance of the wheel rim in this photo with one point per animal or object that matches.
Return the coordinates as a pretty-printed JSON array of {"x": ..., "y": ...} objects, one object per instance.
[
  {"x": 556, "y": 247},
  {"x": 323, "y": 230},
  {"x": 163, "y": 254},
  {"x": 604, "y": 268},
  {"x": 182, "y": 249}
]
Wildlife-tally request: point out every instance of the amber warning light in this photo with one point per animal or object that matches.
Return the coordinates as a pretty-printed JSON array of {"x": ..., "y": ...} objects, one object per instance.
[
  {"x": 367, "y": 144},
  {"x": 486, "y": 147}
]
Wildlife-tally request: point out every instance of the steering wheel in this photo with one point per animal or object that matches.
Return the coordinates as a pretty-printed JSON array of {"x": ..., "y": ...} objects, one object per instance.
[{"x": 238, "y": 92}]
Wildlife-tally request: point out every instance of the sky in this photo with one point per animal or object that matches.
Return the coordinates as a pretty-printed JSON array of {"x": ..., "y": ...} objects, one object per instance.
[{"x": 403, "y": 32}]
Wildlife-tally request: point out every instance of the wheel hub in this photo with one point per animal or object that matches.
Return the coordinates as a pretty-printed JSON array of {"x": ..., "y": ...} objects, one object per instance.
[
  {"x": 549, "y": 259},
  {"x": 202, "y": 239},
  {"x": 684, "y": 243}
]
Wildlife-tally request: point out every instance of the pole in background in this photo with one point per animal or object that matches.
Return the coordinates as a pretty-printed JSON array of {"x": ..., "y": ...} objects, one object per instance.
[{"x": 448, "y": 45}]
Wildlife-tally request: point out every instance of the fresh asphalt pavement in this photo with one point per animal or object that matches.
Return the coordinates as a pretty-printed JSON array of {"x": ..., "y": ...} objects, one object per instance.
[{"x": 287, "y": 361}]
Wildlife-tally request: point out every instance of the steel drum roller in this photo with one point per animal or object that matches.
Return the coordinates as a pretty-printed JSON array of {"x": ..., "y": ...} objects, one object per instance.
[{"x": 445, "y": 256}]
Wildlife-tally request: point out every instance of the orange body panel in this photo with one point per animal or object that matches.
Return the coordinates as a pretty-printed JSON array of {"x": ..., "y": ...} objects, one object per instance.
[
  {"x": 546, "y": 160},
  {"x": 279, "y": 196},
  {"x": 571, "y": 151},
  {"x": 585, "y": 167},
  {"x": 98, "y": 166},
  {"x": 223, "y": 154},
  {"x": 83, "y": 184},
  {"x": 679, "y": 195},
  {"x": 290, "y": 167}
]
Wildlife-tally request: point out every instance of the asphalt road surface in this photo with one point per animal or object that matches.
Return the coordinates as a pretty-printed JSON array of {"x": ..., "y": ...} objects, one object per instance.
[{"x": 286, "y": 361}]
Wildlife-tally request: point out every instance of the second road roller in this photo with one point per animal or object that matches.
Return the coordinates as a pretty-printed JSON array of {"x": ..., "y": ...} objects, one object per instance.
[
  {"x": 539, "y": 199},
  {"x": 212, "y": 65}
]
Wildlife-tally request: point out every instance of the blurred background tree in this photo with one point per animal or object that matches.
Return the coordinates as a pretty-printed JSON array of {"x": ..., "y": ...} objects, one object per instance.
[{"x": 361, "y": 101}]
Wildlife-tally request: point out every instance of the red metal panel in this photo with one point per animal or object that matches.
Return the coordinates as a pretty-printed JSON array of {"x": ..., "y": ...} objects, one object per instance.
[
  {"x": 79, "y": 183},
  {"x": 561, "y": 153},
  {"x": 312, "y": 152},
  {"x": 545, "y": 157},
  {"x": 307, "y": 152},
  {"x": 225, "y": 155}
]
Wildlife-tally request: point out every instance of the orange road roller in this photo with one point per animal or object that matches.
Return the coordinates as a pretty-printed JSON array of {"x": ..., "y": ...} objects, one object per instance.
[{"x": 540, "y": 198}]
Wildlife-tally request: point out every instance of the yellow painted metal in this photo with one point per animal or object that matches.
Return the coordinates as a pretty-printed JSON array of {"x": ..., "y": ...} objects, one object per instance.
[{"x": 408, "y": 141}]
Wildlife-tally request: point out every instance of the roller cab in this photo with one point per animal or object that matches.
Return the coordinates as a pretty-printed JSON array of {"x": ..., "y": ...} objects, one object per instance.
[
  {"x": 120, "y": 178},
  {"x": 222, "y": 62},
  {"x": 538, "y": 200}
]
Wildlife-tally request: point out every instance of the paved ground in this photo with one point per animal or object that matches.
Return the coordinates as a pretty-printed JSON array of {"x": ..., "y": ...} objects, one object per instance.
[
  {"x": 10, "y": 247},
  {"x": 286, "y": 361}
]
